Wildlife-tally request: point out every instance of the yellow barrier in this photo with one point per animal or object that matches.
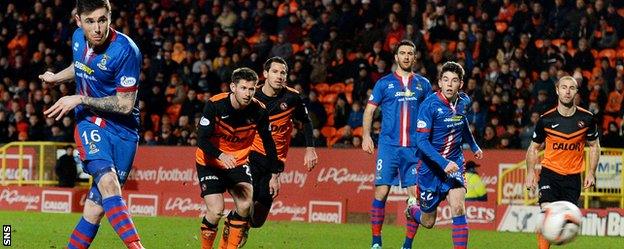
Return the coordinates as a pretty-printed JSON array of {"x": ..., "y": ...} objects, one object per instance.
[
  {"x": 45, "y": 152},
  {"x": 516, "y": 174}
]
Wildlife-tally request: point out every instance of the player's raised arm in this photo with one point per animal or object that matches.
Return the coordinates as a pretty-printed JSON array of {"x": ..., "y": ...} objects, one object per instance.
[
  {"x": 64, "y": 75},
  {"x": 301, "y": 114},
  {"x": 264, "y": 130}
]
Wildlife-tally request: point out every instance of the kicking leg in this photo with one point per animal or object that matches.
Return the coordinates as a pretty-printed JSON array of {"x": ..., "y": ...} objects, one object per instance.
[{"x": 115, "y": 208}]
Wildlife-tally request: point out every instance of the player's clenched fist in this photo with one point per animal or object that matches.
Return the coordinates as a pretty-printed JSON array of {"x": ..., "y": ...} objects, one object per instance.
[
  {"x": 228, "y": 160},
  {"x": 48, "y": 78},
  {"x": 451, "y": 167}
]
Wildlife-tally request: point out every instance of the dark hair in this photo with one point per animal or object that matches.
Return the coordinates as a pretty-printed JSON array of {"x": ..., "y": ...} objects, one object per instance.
[
  {"x": 404, "y": 43},
  {"x": 83, "y": 6},
  {"x": 244, "y": 73},
  {"x": 453, "y": 67},
  {"x": 69, "y": 147},
  {"x": 276, "y": 59}
]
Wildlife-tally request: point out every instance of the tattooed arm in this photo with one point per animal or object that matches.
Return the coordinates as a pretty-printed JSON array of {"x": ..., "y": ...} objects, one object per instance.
[{"x": 121, "y": 103}]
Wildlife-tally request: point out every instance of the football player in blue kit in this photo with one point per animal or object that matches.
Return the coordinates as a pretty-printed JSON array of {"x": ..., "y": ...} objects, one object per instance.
[
  {"x": 442, "y": 128},
  {"x": 399, "y": 95},
  {"x": 106, "y": 66}
]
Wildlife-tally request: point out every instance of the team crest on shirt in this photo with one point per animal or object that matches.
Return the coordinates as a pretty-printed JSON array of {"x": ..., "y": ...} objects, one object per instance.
[
  {"x": 283, "y": 106},
  {"x": 93, "y": 149},
  {"x": 102, "y": 63},
  {"x": 580, "y": 124}
]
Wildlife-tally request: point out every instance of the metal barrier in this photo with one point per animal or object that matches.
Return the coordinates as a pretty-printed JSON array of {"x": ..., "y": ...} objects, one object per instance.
[
  {"x": 39, "y": 154},
  {"x": 609, "y": 183}
]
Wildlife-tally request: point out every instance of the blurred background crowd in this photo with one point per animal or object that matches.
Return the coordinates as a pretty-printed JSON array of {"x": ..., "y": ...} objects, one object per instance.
[{"x": 513, "y": 52}]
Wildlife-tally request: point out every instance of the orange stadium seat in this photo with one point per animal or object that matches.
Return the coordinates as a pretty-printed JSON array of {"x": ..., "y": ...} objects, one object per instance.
[
  {"x": 587, "y": 74},
  {"x": 330, "y": 120},
  {"x": 349, "y": 88},
  {"x": 611, "y": 54},
  {"x": 558, "y": 42},
  {"x": 329, "y": 108},
  {"x": 321, "y": 88},
  {"x": 451, "y": 46},
  {"x": 539, "y": 43},
  {"x": 349, "y": 98},
  {"x": 329, "y": 98},
  {"x": 351, "y": 56},
  {"x": 594, "y": 53},
  {"x": 337, "y": 88},
  {"x": 620, "y": 12},
  {"x": 328, "y": 131},
  {"x": 155, "y": 122},
  {"x": 620, "y": 53},
  {"x": 296, "y": 48},
  {"x": 621, "y": 43},
  {"x": 501, "y": 27},
  {"x": 357, "y": 132},
  {"x": 174, "y": 112}
]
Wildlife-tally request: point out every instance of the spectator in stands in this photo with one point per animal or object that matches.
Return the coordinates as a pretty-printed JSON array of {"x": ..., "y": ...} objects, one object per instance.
[
  {"x": 356, "y": 115},
  {"x": 477, "y": 116},
  {"x": 341, "y": 111},
  {"x": 66, "y": 170},
  {"x": 612, "y": 138},
  {"x": 318, "y": 115},
  {"x": 489, "y": 140}
]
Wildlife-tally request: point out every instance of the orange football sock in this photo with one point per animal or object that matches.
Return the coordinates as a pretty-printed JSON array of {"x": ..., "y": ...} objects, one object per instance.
[{"x": 542, "y": 243}]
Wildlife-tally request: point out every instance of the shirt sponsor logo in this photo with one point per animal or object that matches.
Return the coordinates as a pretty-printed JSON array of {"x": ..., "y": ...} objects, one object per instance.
[
  {"x": 83, "y": 67},
  {"x": 127, "y": 81}
]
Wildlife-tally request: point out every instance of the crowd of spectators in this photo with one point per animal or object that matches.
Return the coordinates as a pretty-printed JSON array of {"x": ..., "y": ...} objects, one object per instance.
[{"x": 513, "y": 52}]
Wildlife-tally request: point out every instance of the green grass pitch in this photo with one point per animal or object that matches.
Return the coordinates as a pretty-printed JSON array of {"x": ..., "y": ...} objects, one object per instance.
[{"x": 44, "y": 230}]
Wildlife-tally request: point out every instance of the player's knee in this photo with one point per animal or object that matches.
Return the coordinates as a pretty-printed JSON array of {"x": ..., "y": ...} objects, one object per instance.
[
  {"x": 244, "y": 206},
  {"x": 92, "y": 212},
  {"x": 109, "y": 185},
  {"x": 381, "y": 192},
  {"x": 214, "y": 212},
  {"x": 457, "y": 210},
  {"x": 427, "y": 223}
]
